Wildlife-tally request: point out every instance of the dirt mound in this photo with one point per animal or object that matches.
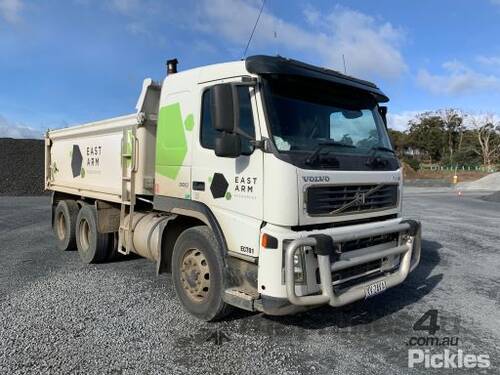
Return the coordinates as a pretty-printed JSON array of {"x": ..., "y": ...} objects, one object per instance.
[
  {"x": 489, "y": 182},
  {"x": 21, "y": 166}
]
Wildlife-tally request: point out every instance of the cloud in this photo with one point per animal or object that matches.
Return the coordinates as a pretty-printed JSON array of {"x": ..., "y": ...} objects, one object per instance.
[
  {"x": 371, "y": 48},
  {"x": 137, "y": 28},
  {"x": 125, "y": 6},
  {"x": 492, "y": 61},
  {"x": 16, "y": 130},
  {"x": 10, "y": 10},
  {"x": 399, "y": 121},
  {"x": 457, "y": 79}
]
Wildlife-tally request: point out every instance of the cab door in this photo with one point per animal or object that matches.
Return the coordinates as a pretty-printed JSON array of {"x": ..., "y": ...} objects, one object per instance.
[{"x": 232, "y": 188}]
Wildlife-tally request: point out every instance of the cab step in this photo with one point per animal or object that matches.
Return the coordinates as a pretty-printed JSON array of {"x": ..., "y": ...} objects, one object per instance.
[{"x": 240, "y": 298}]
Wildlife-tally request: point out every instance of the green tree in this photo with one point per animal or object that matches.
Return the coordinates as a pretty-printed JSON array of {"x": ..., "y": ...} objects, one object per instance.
[
  {"x": 468, "y": 150},
  {"x": 453, "y": 124},
  {"x": 427, "y": 133},
  {"x": 399, "y": 140}
]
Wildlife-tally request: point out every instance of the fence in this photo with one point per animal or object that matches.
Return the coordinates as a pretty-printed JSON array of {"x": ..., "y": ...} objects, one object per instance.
[{"x": 457, "y": 168}]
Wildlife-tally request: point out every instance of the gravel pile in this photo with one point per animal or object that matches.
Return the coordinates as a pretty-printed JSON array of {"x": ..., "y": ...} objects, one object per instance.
[
  {"x": 21, "y": 166},
  {"x": 489, "y": 182}
]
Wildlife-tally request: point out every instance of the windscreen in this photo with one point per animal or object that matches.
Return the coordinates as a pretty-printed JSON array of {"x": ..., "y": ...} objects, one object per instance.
[{"x": 304, "y": 115}]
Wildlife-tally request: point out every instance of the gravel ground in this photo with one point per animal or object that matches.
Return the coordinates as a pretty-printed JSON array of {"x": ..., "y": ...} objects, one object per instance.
[
  {"x": 59, "y": 316},
  {"x": 21, "y": 166},
  {"x": 493, "y": 197}
]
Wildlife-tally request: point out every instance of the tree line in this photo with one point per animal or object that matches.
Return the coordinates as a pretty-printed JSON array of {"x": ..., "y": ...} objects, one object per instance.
[{"x": 449, "y": 137}]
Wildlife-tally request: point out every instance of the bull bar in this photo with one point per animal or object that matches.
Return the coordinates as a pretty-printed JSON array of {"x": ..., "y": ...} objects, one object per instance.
[{"x": 323, "y": 246}]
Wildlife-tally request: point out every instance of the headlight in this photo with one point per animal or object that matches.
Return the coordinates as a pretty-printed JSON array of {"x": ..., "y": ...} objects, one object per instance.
[{"x": 299, "y": 265}]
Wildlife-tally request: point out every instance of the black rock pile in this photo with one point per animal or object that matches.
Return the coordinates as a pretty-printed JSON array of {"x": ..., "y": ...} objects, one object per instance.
[{"x": 21, "y": 166}]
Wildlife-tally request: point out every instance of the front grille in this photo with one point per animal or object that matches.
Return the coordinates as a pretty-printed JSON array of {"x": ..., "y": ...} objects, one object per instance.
[
  {"x": 348, "y": 199},
  {"x": 367, "y": 242},
  {"x": 355, "y": 272}
]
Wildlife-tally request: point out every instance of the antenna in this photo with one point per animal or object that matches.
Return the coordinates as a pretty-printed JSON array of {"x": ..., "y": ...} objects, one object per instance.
[
  {"x": 254, "y": 27},
  {"x": 275, "y": 34},
  {"x": 343, "y": 59}
]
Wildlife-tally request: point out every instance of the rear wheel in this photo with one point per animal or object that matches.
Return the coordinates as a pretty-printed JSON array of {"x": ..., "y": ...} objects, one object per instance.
[
  {"x": 64, "y": 224},
  {"x": 197, "y": 273},
  {"x": 113, "y": 253},
  {"x": 93, "y": 246}
]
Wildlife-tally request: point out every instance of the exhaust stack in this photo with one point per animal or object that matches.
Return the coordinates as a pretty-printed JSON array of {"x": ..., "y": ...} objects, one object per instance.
[{"x": 172, "y": 66}]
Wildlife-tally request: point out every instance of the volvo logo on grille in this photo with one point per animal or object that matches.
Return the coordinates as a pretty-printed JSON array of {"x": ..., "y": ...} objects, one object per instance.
[{"x": 359, "y": 199}]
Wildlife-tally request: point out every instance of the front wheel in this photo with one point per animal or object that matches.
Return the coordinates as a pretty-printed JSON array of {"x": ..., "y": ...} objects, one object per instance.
[{"x": 197, "y": 273}]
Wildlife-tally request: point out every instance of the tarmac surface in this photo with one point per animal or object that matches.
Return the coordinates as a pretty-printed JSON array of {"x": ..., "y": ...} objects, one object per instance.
[{"x": 60, "y": 316}]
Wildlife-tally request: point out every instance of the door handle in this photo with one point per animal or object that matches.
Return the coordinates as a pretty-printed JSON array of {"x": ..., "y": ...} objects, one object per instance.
[{"x": 199, "y": 185}]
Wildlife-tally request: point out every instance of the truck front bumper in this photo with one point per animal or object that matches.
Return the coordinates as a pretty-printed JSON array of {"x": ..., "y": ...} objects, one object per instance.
[{"x": 408, "y": 248}]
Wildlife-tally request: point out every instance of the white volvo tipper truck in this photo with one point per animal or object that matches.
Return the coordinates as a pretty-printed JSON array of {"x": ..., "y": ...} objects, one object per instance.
[{"x": 266, "y": 184}]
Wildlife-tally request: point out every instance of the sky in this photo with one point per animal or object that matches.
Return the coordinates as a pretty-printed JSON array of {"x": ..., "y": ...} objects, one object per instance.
[{"x": 72, "y": 61}]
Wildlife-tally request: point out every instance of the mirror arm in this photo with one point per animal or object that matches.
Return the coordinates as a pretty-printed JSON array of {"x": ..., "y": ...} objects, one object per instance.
[
  {"x": 243, "y": 133},
  {"x": 258, "y": 144}
]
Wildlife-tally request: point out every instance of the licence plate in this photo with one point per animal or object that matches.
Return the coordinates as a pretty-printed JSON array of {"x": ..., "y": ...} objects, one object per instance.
[{"x": 376, "y": 288}]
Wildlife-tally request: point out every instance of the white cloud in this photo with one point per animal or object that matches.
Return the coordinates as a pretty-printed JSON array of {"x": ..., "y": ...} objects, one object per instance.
[
  {"x": 493, "y": 61},
  {"x": 312, "y": 15},
  {"x": 137, "y": 28},
  {"x": 399, "y": 121},
  {"x": 457, "y": 79},
  {"x": 125, "y": 6},
  {"x": 10, "y": 10},
  {"x": 371, "y": 48},
  {"x": 16, "y": 130}
]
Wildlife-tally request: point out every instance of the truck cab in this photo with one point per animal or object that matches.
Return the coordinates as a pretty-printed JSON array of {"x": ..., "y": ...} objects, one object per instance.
[{"x": 295, "y": 167}]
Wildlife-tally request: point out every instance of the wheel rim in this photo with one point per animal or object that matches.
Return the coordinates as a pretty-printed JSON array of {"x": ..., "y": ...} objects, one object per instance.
[
  {"x": 61, "y": 226},
  {"x": 195, "y": 275},
  {"x": 84, "y": 235}
]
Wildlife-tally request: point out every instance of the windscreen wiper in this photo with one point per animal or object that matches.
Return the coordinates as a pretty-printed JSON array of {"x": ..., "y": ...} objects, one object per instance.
[
  {"x": 312, "y": 158},
  {"x": 383, "y": 148},
  {"x": 376, "y": 161}
]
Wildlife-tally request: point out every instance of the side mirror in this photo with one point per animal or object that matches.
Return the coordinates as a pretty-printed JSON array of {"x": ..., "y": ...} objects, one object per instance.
[
  {"x": 383, "y": 112},
  {"x": 228, "y": 145},
  {"x": 224, "y": 107}
]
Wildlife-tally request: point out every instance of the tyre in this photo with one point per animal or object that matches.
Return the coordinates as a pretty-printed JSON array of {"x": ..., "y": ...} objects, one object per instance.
[
  {"x": 93, "y": 246},
  {"x": 197, "y": 273},
  {"x": 64, "y": 224},
  {"x": 113, "y": 253}
]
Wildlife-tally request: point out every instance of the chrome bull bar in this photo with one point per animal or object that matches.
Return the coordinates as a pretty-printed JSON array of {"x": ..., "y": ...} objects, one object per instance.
[{"x": 324, "y": 252}]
